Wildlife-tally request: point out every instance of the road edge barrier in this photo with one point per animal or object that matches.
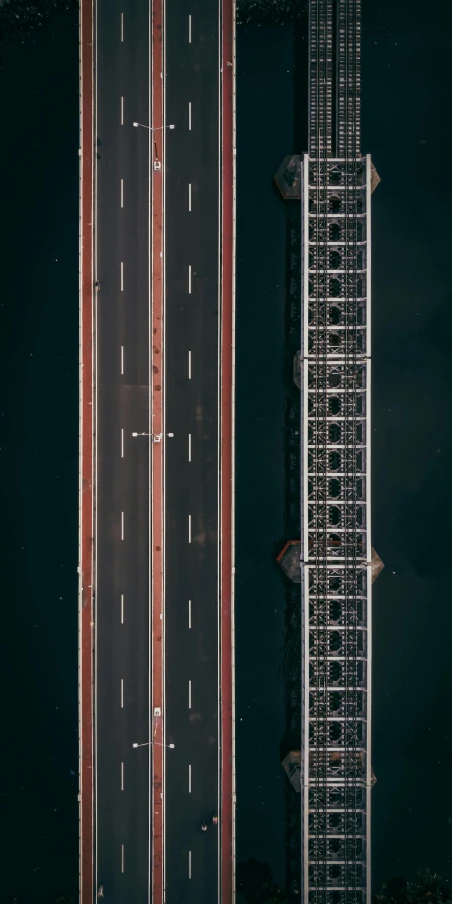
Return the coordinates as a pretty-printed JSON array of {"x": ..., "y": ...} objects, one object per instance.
[
  {"x": 86, "y": 456},
  {"x": 227, "y": 643}
]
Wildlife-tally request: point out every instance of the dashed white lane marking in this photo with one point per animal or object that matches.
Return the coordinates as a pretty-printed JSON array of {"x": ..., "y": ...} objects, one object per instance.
[
  {"x": 189, "y": 115},
  {"x": 122, "y": 608},
  {"x": 122, "y": 776},
  {"x": 122, "y": 693},
  {"x": 122, "y": 276},
  {"x": 189, "y": 864},
  {"x": 189, "y": 279},
  {"x": 189, "y": 614},
  {"x": 189, "y": 446},
  {"x": 189, "y": 196},
  {"x": 122, "y": 442},
  {"x": 122, "y": 525},
  {"x": 122, "y": 111},
  {"x": 189, "y": 29},
  {"x": 122, "y": 858},
  {"x": 122, "y": 359},
  {"x": 189, "y": 694},
  {"x": 189, "y": 528},
  {"x": 189, "y": 365},
  {"x": 189, "y": 779},
  {"x": 122, "y": 192},
  {"x": 122, "y": 26}
]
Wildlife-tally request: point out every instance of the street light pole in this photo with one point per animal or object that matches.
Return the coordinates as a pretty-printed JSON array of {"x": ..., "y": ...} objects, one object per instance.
[
  {"x": 156, "y": 437},
  {"x": 150, "y": 743},
  {"x": 157, "y": 162},
  {"x": 151, "y": 128}
]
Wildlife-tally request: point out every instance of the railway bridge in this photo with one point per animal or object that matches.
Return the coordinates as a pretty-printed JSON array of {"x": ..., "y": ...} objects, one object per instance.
[{"x": 333, "y": 560}]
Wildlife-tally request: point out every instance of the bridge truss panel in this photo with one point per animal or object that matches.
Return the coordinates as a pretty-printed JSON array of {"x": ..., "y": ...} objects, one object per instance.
[{"x": 335, "y": 536}]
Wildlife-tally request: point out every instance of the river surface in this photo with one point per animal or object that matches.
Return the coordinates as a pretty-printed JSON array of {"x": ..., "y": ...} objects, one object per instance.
[{"x": 39, "y": 463}]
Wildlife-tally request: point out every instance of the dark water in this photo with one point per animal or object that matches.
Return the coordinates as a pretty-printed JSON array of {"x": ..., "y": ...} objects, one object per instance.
[
  {"x": 407, "y": 128},
  {"x": 39, "y": 463},
  {"x": 265, "y": 135}
]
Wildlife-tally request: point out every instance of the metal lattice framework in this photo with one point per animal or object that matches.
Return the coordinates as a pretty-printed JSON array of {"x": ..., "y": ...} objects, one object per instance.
[{"x": 335, "y": 504}]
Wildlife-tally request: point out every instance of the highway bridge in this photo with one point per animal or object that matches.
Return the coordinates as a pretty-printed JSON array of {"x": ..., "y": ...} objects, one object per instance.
[{"x": 156, "y": 504}]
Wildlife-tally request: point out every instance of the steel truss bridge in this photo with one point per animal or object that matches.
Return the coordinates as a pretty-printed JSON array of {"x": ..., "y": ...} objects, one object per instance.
[{"x": 336, "y": 571}]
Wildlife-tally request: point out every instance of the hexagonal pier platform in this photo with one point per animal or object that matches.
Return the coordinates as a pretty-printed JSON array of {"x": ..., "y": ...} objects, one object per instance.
[{"x": 289, "y": 560}]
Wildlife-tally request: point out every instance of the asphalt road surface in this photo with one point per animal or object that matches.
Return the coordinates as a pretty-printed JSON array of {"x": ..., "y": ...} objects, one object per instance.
[
  {"x": 122, "y": 662},
  {"x": 192, "y": 184},
  {"x": 122, "y": 514}
]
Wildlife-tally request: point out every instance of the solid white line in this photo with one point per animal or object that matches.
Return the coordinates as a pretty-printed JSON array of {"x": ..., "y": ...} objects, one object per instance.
[
  {"x": 189, "y": 694},
  {"x": 189, "y": 365},
  {"x": 122, "y": 858},
  {"x": 189, "y": 279},
  {"x": 189, "y": 196},
  {"x": 189, "y": 115},
  {"x": 189, "y": 446},
  {"x": 122, "y": 192},
  {"x": 220, "y": 501},
  {"x": 189, "y": 528},
  {"x": 122, "y": 111},
  {"x": 189, "y": 864},
  {"x": 122, "y": 359},
  {"x": 122, "y": 26},
  {"x": 94, "y": 213},
  {"x": 122, "y": 525},
  {"x": 122, "y": 776},
  {"x": 150, "y": 457},
  {"x": 189, "y": 614},
  {"x": 122, "y": 442},
  {"x": 189, "y": 29},
  {"x": 122, "y": 276},
  {"x": 122, "y": 693},
  {"x": 189, "y": 779},
  {"x": 122, "y": 608}
]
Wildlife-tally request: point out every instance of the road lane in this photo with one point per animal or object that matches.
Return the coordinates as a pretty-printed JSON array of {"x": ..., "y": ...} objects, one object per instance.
[
  {"x": 191, "y": 485},
  {"x": 122, "y": 480}
]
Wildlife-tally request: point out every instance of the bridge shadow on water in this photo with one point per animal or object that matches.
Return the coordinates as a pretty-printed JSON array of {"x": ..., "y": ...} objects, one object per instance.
[
  {"x": 255, "y": 878},
  {"x": 271, "y": 87},
  {"x": 291, "y": 654}
]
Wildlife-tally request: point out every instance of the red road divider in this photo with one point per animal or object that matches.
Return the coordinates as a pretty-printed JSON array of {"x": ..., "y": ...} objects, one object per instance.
[
  {"x": 227, "y": 452},
  {"x": 86, "y": 618},
  {"x": 157, "y": 139}
]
